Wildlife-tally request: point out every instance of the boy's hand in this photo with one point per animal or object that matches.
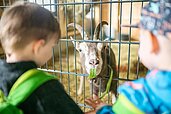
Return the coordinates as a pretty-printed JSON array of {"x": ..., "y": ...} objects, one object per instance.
[
  {"x": 95, "y": 103},
  {"x": 91, "y": 112}
]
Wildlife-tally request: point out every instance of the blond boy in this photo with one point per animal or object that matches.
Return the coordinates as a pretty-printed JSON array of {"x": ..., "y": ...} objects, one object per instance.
[{"x": 27, "y": 33}]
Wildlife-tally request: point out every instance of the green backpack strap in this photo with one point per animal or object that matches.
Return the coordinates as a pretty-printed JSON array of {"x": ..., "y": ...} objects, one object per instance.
[
  {"x": 26, "y": 84},
  {"x": 124, "y": 106}
]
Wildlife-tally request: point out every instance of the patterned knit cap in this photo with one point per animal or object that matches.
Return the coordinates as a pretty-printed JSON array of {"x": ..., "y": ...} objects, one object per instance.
[{"x": 156, "y": 17}]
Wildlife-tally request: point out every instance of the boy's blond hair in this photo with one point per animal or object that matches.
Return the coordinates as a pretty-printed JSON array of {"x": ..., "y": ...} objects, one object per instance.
[{"x": 25, "y": 22}]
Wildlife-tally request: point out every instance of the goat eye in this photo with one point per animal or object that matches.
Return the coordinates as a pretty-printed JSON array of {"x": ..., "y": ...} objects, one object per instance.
[{"x": 80, "y": 50}]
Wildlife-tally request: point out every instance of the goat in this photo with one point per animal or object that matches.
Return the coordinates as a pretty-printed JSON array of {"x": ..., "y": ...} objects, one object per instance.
[{"x": 99, "y": 56}]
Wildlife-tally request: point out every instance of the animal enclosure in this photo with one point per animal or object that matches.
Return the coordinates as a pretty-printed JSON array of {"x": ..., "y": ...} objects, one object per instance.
[{"x": 65, "y": 62}]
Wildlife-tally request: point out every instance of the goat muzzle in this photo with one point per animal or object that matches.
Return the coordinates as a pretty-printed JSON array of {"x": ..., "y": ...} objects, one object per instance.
[{"x": 94, "y": 62}]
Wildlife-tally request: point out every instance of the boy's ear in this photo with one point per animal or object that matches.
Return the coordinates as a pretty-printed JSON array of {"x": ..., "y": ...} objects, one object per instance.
[
  {"x": 155, "y": 44},
  {"x": 38, "y": 44}
]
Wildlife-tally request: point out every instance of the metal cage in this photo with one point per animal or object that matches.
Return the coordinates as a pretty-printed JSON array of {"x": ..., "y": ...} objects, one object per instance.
[{"x": 124, "y": 41}]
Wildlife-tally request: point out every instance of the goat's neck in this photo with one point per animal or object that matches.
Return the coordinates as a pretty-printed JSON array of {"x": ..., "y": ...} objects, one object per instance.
[{"x": 105, "y": 57}]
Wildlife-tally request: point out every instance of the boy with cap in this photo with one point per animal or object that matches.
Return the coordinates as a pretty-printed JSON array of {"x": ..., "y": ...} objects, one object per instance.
[
  {"x": 149, "y": 95},
  {"x": 27, "y": 33}
]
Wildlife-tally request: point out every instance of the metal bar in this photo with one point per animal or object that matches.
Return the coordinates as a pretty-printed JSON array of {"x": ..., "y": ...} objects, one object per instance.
[
  {"x": 72, "y": 73},
  {"x": 129, "y": 45},
  {"x": 67, "y": 55},
  {"x": 60, "y": 60},
  {"x": 106, "y": 41},
  {"x": 110, "y": 29},
  {"x": 92, "y": 20},
  {"x": 138, "y": 66},
  {"x": 97, "y": 2},
  {"x": 101, "y": 20},
  {"x": 53, "y": 59},
  {"x": 62, "y": 72},
  {"x": 119, "y": 22},
  {"x": 75, "y": 58},
  {"x": 4, "y": 4},
  {"x": 56, "y": 8},
  {"x": 43, "y": 3},
  {"x": 83, "y": 39},
  {"x": 50, "y": 6},
  {"x": 80, "y": 3}
]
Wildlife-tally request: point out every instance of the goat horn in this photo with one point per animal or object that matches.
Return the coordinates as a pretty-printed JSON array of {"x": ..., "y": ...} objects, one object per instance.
[
  {"x": 97, "y": 29},
  {"x": 80, "y": 29}
]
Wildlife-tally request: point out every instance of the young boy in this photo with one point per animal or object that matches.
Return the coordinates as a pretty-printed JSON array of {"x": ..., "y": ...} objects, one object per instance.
[
  {"x": 150, "y": 95},
  {"x": 27, "y": 33}
]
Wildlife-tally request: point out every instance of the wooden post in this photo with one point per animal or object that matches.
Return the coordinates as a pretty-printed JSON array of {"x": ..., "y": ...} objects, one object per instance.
[
  {"x": 101, "y": 14},
  {"x": 105, "y": 10}
]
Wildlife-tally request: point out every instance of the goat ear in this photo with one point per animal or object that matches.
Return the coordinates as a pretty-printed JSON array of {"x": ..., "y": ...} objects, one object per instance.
[
  {"x": 100, "y": 46},
  {"x": 76, "y": 44}
]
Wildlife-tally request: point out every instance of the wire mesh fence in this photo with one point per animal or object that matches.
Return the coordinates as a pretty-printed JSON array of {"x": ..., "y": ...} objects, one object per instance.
[{"x": 65, "y": 62}]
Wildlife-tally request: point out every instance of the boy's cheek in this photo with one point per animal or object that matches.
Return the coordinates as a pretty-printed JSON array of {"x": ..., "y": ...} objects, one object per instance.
[{"x": 139, "y": 53}]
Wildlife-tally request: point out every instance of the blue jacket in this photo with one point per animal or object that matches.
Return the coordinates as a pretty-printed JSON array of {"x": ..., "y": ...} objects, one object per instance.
[{"x": 150, "y": 95}]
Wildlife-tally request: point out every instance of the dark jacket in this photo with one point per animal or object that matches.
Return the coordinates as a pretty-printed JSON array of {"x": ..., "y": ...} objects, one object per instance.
[{"x": 49, "y": 98}]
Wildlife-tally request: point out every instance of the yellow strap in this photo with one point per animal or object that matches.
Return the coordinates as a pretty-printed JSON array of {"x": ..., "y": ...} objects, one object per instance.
[{"x": 124, "y": 106}]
